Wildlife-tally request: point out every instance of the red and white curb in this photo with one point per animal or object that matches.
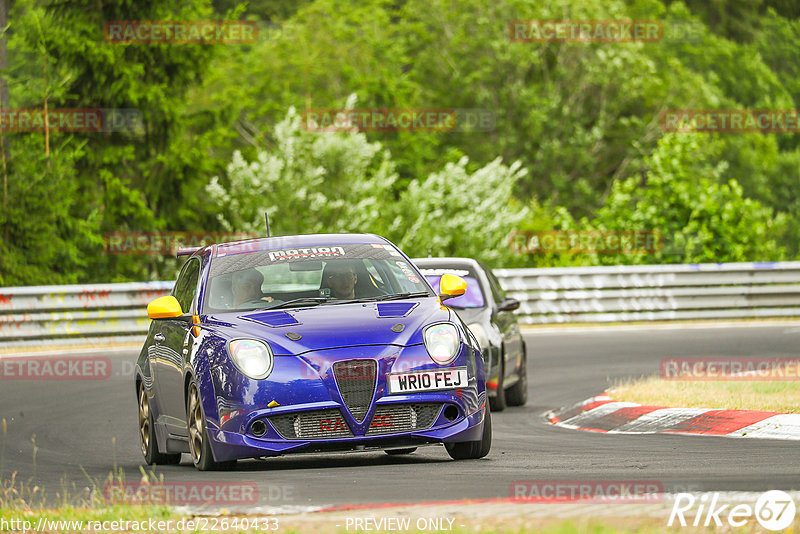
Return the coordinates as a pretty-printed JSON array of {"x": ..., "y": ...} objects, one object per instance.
[{"x": 604, "y": 414}]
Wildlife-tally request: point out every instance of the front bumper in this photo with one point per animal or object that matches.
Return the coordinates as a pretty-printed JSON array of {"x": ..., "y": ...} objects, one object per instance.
[
  {"x": 305, "y": 385},
  {"x": 234, "y": 445}
]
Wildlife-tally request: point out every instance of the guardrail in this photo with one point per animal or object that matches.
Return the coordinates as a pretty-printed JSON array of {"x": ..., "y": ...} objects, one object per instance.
[
  {"x": 654, "y": 292},
  {"x": 79, "y": 314},
  {"x": 104, "y": 313}
]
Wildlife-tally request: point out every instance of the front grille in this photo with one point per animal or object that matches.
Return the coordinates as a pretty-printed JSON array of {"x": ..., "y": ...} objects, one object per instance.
[
  {"x": 356, "y": 381},
  {"x": 315, "y": 424},
  {"x": 395, "y": 418}
]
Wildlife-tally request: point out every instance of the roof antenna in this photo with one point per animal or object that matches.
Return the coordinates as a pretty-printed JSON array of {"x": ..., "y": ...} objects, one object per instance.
[{"x": 266, "y": 216}]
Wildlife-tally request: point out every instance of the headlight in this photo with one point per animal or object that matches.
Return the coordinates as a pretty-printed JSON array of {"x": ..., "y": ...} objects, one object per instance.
[
  {"x": 480, "y": 334},
  {"x": 442, "y": 341},
  {"x": 251, "y": 357}
]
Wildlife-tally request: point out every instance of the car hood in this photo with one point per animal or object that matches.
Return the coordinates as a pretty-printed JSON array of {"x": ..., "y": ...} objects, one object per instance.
[{"x": 294, "y": 331}]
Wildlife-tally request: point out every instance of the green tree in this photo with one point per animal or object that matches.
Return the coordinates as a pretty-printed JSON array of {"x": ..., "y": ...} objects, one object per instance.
[
  {"x": 455, "y": 212},
  {"x": 308, "y": 183},
  {"x": 340, "y": 182},
  {"x": 701, "y": 216},
  {"x": 141, "y": 180}
]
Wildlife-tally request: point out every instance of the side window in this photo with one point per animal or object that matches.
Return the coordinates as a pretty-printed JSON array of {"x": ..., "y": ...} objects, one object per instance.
[
  {"x": 186, "y": 286},
  {"x": 497, "y": 292}
]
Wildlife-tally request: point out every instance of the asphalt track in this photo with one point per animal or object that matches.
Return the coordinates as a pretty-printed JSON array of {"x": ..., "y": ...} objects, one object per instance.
[{"x": 83, "y": 430}]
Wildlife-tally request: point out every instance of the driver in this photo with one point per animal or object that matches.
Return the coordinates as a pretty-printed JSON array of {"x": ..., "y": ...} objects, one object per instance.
[
  {"x": 246, "y": 287},
  {"x": 341, "y": 278}
]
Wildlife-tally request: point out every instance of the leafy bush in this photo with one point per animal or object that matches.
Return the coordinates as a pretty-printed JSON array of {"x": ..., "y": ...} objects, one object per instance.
[
  {"x": 340, "y": 182},
  {"x": 702, "y": 215}
]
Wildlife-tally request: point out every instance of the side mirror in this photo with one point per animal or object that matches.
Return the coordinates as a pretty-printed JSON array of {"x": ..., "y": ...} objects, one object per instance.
[
  {"x": 508, "y": 305},
  {"x": 164, "y": 308},
  {"x": 451, "y": 286}
]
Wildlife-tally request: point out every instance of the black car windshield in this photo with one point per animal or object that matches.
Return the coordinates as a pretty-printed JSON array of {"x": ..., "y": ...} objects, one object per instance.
[
  {"x": 309, "y": 276},
  {"x": 473, "y": 298}
]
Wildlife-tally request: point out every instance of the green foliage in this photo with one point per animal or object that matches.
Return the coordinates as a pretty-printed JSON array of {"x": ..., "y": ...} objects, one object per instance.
[
  {"x": 455, "y": 212},
  {"x": 45, "y": 237},
  {"x": 579, "y": 122},
  {"x": 340, "y": 182},
  {"x": 270, "y": 10},
  {"x": 309, "y": 183},
  {"x": 131, "y": 180},
  {"x": 701, "y": 216},
  {"x": 737, "y": 19}
]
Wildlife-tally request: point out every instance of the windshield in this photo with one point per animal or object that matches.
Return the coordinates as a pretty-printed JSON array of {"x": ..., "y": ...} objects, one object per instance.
[
  {"x": 309, "y": 276},
  {"x": 473, "y": 298}
]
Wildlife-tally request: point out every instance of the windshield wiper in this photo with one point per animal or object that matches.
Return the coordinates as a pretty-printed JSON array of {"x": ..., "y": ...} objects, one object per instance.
[
  {"x": 309, "y": 300},
  {"x": 398, "y": 296},
  {"x": 393, "y": 296}
]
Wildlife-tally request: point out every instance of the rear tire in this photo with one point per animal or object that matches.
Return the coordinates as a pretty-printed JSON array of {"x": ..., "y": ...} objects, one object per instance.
[
  {"x": 199, "y": 443},
  {"x": 473, "y": 450},
  {"x": 147, "y": 435},
  {"x": 518, "y": 393},
  {"x": 398, "y": 452},
  {"x": 498, "y": 402}
]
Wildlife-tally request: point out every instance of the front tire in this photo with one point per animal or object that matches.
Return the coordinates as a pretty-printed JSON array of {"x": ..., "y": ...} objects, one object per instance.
[
  {"x": 147, "y": 435},
  {"x": 473, "y": 450},
  {"x": 199, "y": 443},
  {"x": 518, "y": 393},
  {"x": 498, "y": 402}
]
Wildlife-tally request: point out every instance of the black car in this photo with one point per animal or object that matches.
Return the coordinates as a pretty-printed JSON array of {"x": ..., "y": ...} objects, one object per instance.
[{"x": 489, "y": 314}]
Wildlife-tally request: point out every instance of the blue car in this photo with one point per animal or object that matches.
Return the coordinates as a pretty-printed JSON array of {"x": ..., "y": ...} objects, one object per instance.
[{"x": 307, "y": 343}]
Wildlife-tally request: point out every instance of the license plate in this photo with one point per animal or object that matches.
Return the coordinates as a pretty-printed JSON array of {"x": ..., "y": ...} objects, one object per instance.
[{"x": 454, "y": 378}]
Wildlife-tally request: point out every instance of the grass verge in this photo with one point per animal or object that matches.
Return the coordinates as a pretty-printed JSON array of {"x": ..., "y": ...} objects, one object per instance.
[{"x": 768, "y": 396}]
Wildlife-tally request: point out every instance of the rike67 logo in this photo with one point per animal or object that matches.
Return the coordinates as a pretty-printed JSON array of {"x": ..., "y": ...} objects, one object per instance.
[{"x": 774, "y": 510}]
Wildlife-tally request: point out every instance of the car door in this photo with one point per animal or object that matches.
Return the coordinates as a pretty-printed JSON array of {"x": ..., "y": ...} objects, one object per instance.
[
  {"x": 508, "y": 325},
  {"x": 173, "y": 339}
]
